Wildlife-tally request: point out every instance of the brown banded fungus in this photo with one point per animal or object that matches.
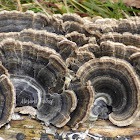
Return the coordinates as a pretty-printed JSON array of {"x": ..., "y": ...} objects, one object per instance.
[
  {"x": 118, "y": 79},
  {"x": 72, "y": 17},
  {"x": 55, "y": 65},
  {"x": 125, "y": 38},
  {"x": 80, "y": 39},
  {"x": 118, "y": 50},
  {"x": 135, "y": 59},
  {"x": 85, "y": 96},
  {"x": 7, "y": 97},
  {"x": 43, "y": 38},
  {"x": 15, "y": 21},
  {"x": 34, "y": 71},
  {"x": 102, "y": 26},
  {"x": 78, "y": 59},
  {"x": 56, "y": 108}
]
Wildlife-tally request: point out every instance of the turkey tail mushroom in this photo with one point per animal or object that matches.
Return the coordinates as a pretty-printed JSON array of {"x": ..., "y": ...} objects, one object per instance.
[
  {"x": 7, "y": 96},
  {"x": 80, "y": 39},
  {"x": 135, "y": 57},
  {"x": 67, "y": 48},
  {"x": 118, "y": 79},
  {"x": 71, "y": 26},
  {"x": 85, "y": 99},
  {"x": 15, "y": 21},
  {"x": 125, "y": 38},
  {"x": 101, "y": 26},
  {"x": 115, "y": 49},
  {"x": 77, "y": 60},
  {"x": 93, "y": 48},
  {"x": 56, "y": 108},
  {"x": 7, "y": 99},
  {"x": 34, "y": 72},
  {"x": 72, "y": 17},
  {"x": 45, "y": 39}
]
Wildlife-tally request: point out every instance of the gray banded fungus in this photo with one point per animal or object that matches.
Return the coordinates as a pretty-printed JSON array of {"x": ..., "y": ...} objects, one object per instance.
[
  {"x": 101, "y": 107},
  {"x": 101, "y": 26},
  {"x": 67, "y": 48},
  {"x": 43, "y": 38},
  {"x": 93, "y": 48},
  {"x": 135, "y": 59},
  {"x": 72, "y": 17},
  {"x": 118, "y": 50},
  {"x": 118, "y": 79},
  {"x": 76, "y": 61},
  {"x": 55, "y": 66},
  {"x": 57, "y": 107},
  {"x": 125, "y": 38},
  {"x": 7, "y": 97},
  {"x": 57, "y": 42},
  {"x": 80, "y": 39},
  {"x": 85, "y": 96},
  {"x": 34, "y": 72},
  {"x": 71, "y": 26},
  {"x": 15, "y": 21}
]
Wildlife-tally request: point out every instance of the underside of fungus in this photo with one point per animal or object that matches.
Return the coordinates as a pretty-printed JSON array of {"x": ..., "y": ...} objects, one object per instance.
[{"x": 68, "y": 69}]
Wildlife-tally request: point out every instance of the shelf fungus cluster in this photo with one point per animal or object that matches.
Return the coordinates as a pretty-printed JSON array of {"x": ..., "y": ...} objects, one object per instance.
[{"x": 69, "y": 69}]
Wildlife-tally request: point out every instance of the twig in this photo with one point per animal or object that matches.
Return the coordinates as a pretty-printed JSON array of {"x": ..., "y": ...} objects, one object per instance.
[
  {"x": 50, "y": 4},
  {"x": 41, "y": 7},
  {"x": 65, "y": 2},
  {"x": 19, "y": 5},
  {"x": 125, "y": 14}
]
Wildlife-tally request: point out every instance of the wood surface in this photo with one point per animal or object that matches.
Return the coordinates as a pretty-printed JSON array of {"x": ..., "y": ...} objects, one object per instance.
[{"x": 32, "y": 129}]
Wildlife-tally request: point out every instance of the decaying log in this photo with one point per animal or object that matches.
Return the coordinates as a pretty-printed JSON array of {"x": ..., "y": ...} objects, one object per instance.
[{"x": 33, "y": 129}]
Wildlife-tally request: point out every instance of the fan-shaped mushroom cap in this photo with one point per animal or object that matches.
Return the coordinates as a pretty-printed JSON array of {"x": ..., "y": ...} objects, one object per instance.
[
  {"x": 35, "y": 71},
  {"x": 111, "y": 25},
  {"x": 80, "y": 39},
  {"x": 15, "y": 21},
  {"x": 56, "y": 108},
  {"x": 118, "y": 79},
  {"x": 79, "y": 59},
  {"x": 57, "y": 42},
  {"x": 101, "y": 107},
  {"x": 72, "y": 17},
  {"x": 7, "y": 98},
  {"x": 105, "y": 21},
  {"x": 115, "y": 49},
  {"x": 70, "y": 26},
  {"x": 85, "y": 99},
  {"x": 42, "y": 38},
  {"x": 39, "y": 37},
  {"x": 94, "y": 48},
  {"x": 135, "y": 61},
  {"x": 125, "y": 38},
  {"x": 67, "y": 48},
  {"x": 129, "y": 25}
]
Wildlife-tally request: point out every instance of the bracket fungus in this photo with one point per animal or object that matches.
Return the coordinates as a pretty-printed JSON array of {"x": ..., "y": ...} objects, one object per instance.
[
  {"x": 69, "y": 69},
  {"x": 118, "y": 50},
  {"x": 7, "y": 97},
  {"x": 33, "y": 72},
  {"x": 85, "y": 96},
  {"x": 110, "y": 76},
  {"x": 80, "y": 39},
  {"x": 125, "y": 38},
  {"x": 16, "y": 21}
]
